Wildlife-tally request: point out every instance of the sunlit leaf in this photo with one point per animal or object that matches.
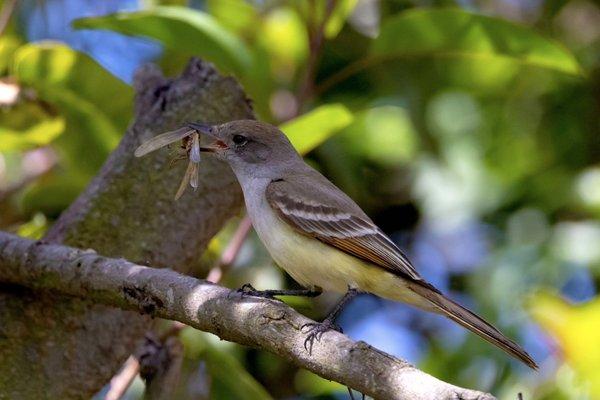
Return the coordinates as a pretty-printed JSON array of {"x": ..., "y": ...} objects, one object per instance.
[
  {"x": 315, "y": 12},
  {"x": 34, "y": 228},
  {"x": 8, "y": 45},
  {"x": 27, "y": 124},
  {"x": 311, "y": 129},
  {"x": 453, "y": 33},
  {"x": 95, "y": 105},
  {"x": 283, "y": 36},
  {"x": 383, "y": 134},
  {"x": 237, "y": 15},
  {"x": 182, "y": 29},
  {"x": 47, "y": 66},
  {"x": 39, "y": 134},
  {"x": 185, "y": 32},
  {"x": 575, "y": 327},
  {"x": 338, "y": 17}
]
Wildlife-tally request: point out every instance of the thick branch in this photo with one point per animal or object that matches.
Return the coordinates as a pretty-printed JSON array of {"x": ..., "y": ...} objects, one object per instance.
[
  {"x": 69, "y": 348},
  {"x": 269, "y": 325}
]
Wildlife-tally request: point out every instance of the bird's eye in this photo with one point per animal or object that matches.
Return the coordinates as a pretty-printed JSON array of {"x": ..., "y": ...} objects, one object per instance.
[{"x": 239, "y": 140}]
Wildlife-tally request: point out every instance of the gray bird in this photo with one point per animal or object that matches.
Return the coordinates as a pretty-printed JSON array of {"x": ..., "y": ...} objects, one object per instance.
[{"x": 320, "y": 236}]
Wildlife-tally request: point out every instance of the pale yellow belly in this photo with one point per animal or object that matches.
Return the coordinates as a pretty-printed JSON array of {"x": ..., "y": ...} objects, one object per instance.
[{"x": 313, "y": 263}]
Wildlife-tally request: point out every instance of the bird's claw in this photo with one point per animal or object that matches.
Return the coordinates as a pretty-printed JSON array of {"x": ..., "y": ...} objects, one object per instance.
[
  {"x": 246, "y": 288},
  {"x": 315, "y": 331}
]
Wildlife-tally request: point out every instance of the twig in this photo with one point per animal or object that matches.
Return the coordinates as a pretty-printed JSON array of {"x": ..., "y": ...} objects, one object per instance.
[
  {"x": 121, "y": 381},
  {"x": 316, "y": 34},
  {"x": 265, "y": 324}
]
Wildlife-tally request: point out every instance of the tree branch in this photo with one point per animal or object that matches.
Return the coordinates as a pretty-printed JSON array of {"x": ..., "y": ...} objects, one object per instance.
[
  {"x": 121, "y": 382},
  {"x": 69, "y": 348},
  {"x": 265, "y": 324}
]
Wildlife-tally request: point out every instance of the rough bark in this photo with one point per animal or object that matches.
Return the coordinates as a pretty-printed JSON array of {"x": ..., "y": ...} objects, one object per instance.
[
  {"x": 265, "y": 324},
  {"x": 56, "y": 347}
]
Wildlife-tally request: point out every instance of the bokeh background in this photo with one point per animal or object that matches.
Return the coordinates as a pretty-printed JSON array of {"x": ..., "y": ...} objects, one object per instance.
[{"x": 469, "y": 130}]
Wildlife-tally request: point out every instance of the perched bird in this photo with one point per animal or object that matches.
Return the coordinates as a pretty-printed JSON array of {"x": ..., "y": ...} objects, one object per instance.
[{"x": 320, "y": 236}]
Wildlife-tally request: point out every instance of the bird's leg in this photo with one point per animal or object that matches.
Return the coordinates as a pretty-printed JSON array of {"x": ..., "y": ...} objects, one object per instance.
[
  {"x": 316, "y": 329},
  {"x": 249, "y": 290}
]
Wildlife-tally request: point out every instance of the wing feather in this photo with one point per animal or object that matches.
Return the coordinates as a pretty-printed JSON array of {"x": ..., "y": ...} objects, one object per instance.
[{"x": 354, "y": 234}]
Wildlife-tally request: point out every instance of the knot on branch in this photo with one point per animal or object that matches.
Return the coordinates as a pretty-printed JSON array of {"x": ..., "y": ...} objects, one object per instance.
[
  {"x": 155, "y": 356},
  {"x": 160, "y": 365},
  {"x": 148, "y": 303},
  {"x": 200, "y": 71}
]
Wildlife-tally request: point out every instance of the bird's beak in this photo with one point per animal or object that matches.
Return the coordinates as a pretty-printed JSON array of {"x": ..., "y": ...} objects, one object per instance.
[{"x": 215, "y": 147}]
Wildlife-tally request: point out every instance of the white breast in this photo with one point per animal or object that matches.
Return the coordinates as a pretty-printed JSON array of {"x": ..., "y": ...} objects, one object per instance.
[
  {"x": 309, "y": 261},
  {"x": 313, "y": 263},
  {"x": 295, "y": 253}
]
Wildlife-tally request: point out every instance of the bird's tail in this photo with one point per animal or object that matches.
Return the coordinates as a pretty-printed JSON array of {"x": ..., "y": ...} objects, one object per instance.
[{"x": 472, "y": 322}]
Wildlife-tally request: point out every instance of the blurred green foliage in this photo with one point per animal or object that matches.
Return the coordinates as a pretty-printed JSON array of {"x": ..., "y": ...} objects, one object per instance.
[{"x": 470, "y": 130}]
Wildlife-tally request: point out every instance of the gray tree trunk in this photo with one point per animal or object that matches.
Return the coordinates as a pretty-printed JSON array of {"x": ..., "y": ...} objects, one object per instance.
[{"x": 54, "y": 347}]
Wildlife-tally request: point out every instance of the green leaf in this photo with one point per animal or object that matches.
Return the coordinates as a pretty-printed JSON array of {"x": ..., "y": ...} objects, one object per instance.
[
  {"x": 283, "y": 35},
  {"x": 310, "y": 383},
  {"x": 313, "y": 128},
  {"x": 573, "y": 326},
  {"x": 8, "y": 45},
  {"x": 453, "y": 33},
  {"x": 27, "y": 123},
  {"x": 186, "y": 32},
  {"x": 35, "y": 228},
  {"x": 230, "y": 380},
  {"x": 237, "y": 15},
  {"x": 182, "y": 29},
  {"x": 382, "y": 134},
  {"x": 90, "y": 136},
  {"x": 38, "y": 134},
  {"x": 232, "y": 376},
  {"x": 95, "y": 105},
  {"x": 52, "y": 194},
  {"x": 338, "y": 17}
]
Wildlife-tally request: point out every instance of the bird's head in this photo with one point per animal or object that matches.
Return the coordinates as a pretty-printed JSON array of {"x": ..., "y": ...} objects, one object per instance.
[{"x": 250, "y": 147}]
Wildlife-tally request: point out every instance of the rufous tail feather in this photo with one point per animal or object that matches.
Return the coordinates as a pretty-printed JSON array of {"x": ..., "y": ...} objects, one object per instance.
[{"x": 474, "y": 323}]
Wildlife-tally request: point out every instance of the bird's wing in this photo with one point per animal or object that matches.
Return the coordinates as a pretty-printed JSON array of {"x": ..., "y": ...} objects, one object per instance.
[{"x": 333, "y": 218}]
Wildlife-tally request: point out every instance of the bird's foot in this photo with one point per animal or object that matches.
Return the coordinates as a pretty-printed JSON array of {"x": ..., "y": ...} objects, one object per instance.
[{"x": 315, "y": 331}]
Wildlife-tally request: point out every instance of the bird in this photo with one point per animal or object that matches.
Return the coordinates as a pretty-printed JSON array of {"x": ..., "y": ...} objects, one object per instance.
[{"x": 321, "y": 237}]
